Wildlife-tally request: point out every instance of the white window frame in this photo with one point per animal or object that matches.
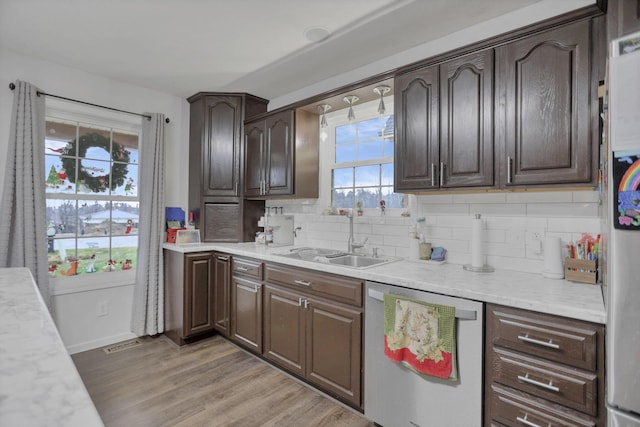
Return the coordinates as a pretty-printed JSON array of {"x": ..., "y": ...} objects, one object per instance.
[
  {"x": 364, "y": 111},
  {"x": 100, "y": 117}
]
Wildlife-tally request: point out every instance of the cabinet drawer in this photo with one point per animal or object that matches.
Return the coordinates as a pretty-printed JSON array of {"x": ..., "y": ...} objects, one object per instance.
[
  {"x": 338, "y": 288},
  {"x": 516, "y": 409},
  {"x": 558, "y": 383},
  {"x": 247, "y": 267},
  {"x": 555, "y": 338}
]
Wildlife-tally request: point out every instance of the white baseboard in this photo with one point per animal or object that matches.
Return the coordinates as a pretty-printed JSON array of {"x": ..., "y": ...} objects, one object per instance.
[{"x": 90, "y": 345}]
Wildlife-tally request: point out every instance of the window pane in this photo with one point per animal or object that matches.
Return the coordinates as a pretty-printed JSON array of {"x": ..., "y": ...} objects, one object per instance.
[
  {"x": 95, "y": 218},
  {"x": 342, "y": 198},
  {"x": 387, "y": 174},
  {"x": 392, "y": 200},
  {"x": 125, "y": 144},
  {"x": 370, "y": 197},
  {"x": 371, "y": 128},
  {"x": 388, "y": 148},
  {"x": 60, "y": 256},
  {"x": 345, "y": 153},
  {"x": 125, "y": 185},
  {"x": 93, "y": 254},
  {"x": 367, "y": 176},
  {"x": 124, "y": 218},
  {"x": 343, "y": 177},
  {"x": 124, "y": 251},
  {"x": 346, "y": 133},
  {"x": 61, "y": 218},
  {"x": 56, "y": 180},
  {"x": 93, "y": 176},
  {"x": 370, "y": 150}
]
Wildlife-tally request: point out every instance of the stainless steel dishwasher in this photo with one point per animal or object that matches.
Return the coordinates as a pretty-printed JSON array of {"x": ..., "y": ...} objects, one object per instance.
[{"x": 396, "y": 396}]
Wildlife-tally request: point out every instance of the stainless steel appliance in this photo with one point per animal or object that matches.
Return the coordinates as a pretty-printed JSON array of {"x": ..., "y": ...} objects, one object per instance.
[
  {"x": 396, "y": 396},
  {"x": 622, "y": 236}
]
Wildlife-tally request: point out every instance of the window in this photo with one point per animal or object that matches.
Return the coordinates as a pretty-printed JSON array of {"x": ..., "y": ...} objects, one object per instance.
[
  {"x": 363, "y": 168},
  {"x": 92, "y": 205}
]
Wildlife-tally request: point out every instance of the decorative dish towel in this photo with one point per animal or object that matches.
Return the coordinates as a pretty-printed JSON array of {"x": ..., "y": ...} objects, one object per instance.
[{"x": 421, "y": 336}]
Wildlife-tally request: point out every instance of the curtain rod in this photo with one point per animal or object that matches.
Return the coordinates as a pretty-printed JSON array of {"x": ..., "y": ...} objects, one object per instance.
[{"x": 12, "y": 86}]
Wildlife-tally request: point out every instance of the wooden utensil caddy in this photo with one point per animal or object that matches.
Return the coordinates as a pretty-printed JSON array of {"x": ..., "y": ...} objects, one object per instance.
[{"x": 581, "y": 270}]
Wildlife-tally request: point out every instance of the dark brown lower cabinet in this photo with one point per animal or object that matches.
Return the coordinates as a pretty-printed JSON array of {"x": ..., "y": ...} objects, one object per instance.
[
  {"x": 189, "y": 295},
  {"x": 246, "y": 323},
  {"x": 222, "y": 293},
  {"x": 542, "y": 370},
  {"x": 317, "y": 339}
]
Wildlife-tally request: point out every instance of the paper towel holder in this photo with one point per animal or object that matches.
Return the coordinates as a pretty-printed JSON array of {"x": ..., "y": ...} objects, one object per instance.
[{"x": 475, "y": 269}]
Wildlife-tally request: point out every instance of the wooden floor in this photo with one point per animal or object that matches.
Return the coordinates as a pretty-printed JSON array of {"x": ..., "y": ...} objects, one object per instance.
[{"x": 209, "y": 383}]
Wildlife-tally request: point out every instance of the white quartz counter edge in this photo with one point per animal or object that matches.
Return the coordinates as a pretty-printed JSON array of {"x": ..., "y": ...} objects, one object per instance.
[
  {"x": 39, "y": 384},
  {"x": 511, "y": 288}
]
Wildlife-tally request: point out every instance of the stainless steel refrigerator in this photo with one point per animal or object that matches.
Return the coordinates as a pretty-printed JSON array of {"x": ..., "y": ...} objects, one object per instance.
[{"x": 622, "y": 234}]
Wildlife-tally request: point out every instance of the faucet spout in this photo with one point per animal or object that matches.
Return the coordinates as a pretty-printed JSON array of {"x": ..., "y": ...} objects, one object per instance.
[{"x": 352, "y": 245}]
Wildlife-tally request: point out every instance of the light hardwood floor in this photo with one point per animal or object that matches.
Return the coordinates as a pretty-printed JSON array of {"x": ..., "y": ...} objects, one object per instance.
[{"x": 209, "y": 383}]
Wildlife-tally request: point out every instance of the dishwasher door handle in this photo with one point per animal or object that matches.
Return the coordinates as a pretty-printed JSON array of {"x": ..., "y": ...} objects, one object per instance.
[{"x": 461, "y": 314}]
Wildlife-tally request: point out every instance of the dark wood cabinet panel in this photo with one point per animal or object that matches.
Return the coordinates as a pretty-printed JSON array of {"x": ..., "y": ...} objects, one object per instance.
[
  {"x": 416, "y": 122},
  {"x": 222, "y": 222},
  {"x": 222, "y": 293},
  {"x": 246, "y": 297},
  {"x": 198, "y": 293},
  {"x": 189, "y": 295},
  {"x": 334, "y": 348},
  {"x": 466, "y": 117},
  {"x": 254, "y": 158},
  {"x": 221, "y": 146},
  {"x": 623, "y": 17},
  {"x": 284, "y": 329},
  {"x": 545, "y": 86},
  {"x": 281, "y": 155}
]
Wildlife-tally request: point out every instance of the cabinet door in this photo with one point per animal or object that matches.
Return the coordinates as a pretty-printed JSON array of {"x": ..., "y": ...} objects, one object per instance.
[
  {"x": 221, "y": 222},
  {"x": 254, "y": 154},
  {"x": 416, "y": 121},
  {"x": 284, "y": 329},
  {"x": 221, "y": 146},
  {"x": 334, "y": 348},
  {"x": 279, "y": 158},
  {"x": 544, "y": 83},
  {"x": 198, "y": 309},
  {"x": 246, "y": 324},
  {"x": 222, "y": 288},
  {"x": 466, "y": 117}
]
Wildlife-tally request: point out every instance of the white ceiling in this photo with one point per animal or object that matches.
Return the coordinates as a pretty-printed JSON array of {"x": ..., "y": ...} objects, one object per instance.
[{"x": 256, "y": 46}]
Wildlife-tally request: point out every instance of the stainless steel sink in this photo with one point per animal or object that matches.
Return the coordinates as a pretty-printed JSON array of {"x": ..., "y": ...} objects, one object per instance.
[
  {"x": 359, "y": 261},
  {"x": 335, "y": 257}
]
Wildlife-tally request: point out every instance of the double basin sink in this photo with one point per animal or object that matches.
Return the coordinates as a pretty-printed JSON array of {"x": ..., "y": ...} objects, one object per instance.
[{"x": 331, "y": 256}]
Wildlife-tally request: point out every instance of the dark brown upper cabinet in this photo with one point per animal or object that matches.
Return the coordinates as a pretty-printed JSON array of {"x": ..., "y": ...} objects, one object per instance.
[
  {"x": 623, "y": 17},
  {"x": 546, "y": 89},
  {"x": 215, "y": 160},
  {"x": 466, "y": 121},
  {"x": 444, "y": 125},
  {"x": 281, "y": 155},
  {"x": 416, "y": 121}
]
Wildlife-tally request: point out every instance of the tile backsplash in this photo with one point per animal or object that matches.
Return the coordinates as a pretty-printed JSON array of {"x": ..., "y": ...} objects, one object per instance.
[{"x": 516, "y": 225}]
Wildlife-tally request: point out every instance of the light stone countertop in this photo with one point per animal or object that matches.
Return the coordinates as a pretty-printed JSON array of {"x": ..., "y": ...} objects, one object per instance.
[
  {"x": 511, "y": 288},
  {"x": 39, "y": 384}
]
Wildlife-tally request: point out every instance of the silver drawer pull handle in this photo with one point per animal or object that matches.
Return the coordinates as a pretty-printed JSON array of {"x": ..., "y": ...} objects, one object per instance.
[
  {"x": 302, "y": 283},
  {"x": 526, "y": 422},
  {"x": 433, "y": 174},
  {"x": 549, "y": 386},
  {"x": 242, "y": 269},
  {"x": 223, "y": 258},
  {"x": 549, "y": 343}
]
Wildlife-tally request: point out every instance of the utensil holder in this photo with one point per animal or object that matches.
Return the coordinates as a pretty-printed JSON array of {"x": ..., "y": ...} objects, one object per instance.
[{"x": 581, "y": 270}]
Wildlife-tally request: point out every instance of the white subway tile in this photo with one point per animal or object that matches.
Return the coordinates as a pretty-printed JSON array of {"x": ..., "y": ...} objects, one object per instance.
[
  {"x": 563, "y": 209},
  {"x": 498, "y": 209},
  {"x": 435, "y": 199},
  {"x": 503, "y": 249},
  {"x": 590, "y": 196},
  {"x": 591, "y": 225},
  {"x": 453, "y": 221},
  {"x": 497, "y": 236},
  {"x": 505, "y": 222},
  {"x": 448, "y": 209},
  {"x": 480, "y": 198},
  {"x": 540, "y": 197}
]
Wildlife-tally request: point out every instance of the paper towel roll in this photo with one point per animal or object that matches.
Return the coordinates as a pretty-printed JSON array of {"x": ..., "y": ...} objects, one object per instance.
[
  {"x": 477, "y": 242},
  {"x": 553, "y": 268}
]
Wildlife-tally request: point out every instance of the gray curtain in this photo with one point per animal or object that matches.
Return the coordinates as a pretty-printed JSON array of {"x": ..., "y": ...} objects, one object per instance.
[
  {"x": 23, "y": 241},
  {"x": 148, "y": 297}
]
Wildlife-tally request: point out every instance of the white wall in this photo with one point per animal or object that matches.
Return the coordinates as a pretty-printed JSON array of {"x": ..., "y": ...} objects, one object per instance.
[{"x": 76, "y": 312}]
